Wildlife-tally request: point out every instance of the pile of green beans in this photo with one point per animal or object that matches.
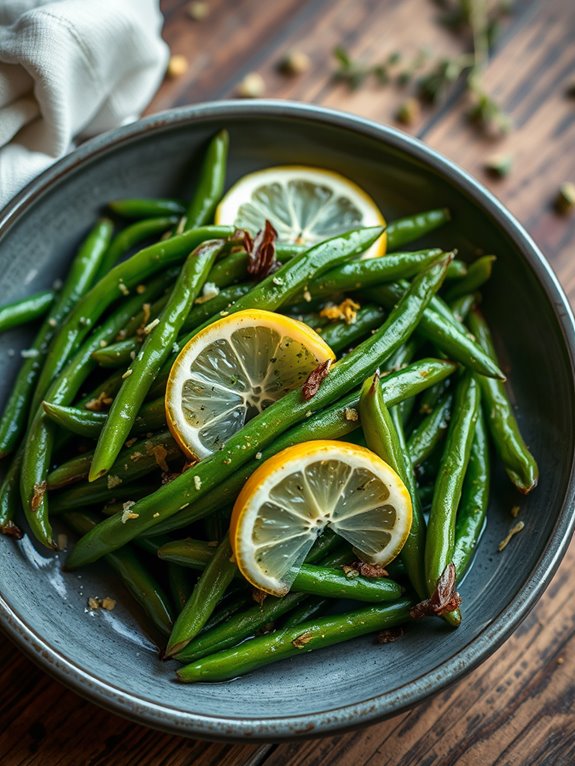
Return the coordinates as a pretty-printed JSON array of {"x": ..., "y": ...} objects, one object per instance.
[{"x": 416, "y": 379}]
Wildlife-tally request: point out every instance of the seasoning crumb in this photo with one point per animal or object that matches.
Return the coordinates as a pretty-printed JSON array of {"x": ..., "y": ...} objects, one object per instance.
[
  {"x": 224, "y": 313},
  {"x": 560, "y": 660},
  {"x": 259, "y": 596},
  {"x": 127, "y": 373},
  {"x": 259, "y": 455},
  {"x": 197, "y": 483},
  {"x": 515, "y": 529},
  {"x": 177, "y": 66},
  {"x": 156, "y": 515},
  {"x": 103, "y": 343},
  {"x": 101, "y": 402},
  {"x": 149, "y": 327},
  {"x": 351, "y": 414},
  {"x": 302, "y": 640},
  {"x": 307, "y": 296},
  {"x": 113, "y": 481},
  {"x": 346, "y": 311},
  {"x": 94, "y": 602},
  {"x": 515, "y": 511},
  {"x": 141, "y": 289},
  {"x": 252, "y": 86},
  {"x": 390, "y": 635},
  {"x": 127, "y": 513},
  {"x": 277, "y": 281},
  {"x": 53, "y": 322},
  {"x": 350, "y": 572},
  {"x": 130, "y": 442},
  {"x": 160, "y": 454},
  {"x": 123, "y": 289},
  {"x": 209, "y": 291}
]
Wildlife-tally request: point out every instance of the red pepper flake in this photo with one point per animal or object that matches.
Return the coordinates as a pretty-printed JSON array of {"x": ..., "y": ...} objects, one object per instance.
[
  {"x": 11, "y": 530},
  {"x": 390, "y": 635},
  {"x": 314, "y": 380},
  {"x": 444, "y": 598},
  {"x": 242, "y": 239},
  {"x": 262, "y": 256},
  {"x": 38, "y": 496}
]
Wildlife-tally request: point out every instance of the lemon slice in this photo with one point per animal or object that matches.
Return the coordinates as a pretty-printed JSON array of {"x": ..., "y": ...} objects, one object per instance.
[
  {"x": 232, "y": 370},
  {"x": 304, "y": 204},
  {"x": 290, "y": 499}
]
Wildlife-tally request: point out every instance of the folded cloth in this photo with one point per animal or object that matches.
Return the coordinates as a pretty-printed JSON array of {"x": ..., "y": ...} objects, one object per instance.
[{"x": 69, "y": 69}]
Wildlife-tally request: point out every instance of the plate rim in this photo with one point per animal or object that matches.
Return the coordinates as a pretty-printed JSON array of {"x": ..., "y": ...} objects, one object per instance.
[{"x": 492, "y": 636}]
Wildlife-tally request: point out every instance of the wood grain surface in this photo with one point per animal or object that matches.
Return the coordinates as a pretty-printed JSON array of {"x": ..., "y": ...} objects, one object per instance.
[{"x": 519, "y": 706}]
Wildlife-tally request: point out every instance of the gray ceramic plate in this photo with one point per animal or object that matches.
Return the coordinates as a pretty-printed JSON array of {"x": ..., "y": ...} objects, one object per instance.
[{"x": 104, "y": 656}]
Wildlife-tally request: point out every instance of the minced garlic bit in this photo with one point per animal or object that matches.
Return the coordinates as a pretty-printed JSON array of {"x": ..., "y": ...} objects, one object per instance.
[
  {"x": 209, "y": 291},
  {"x": 259, "y": 455},
  {"x": 113, "y": 481},
  {"x": 29, "y": 353},
  {"x": 156, "y": 515},
  {"x": 224, "y": 313},
  {"x": 127, "y": 512},
  {"x": 307, "y": 296},
  {"x": 346, "y": 310},
  {"x": 149, "y": 327},
  {"x": 123, "y": 289},
  {"x": 512, "y": 532},
  {"x": 127, "y": 373},
  {"x": 277, "y": 281},
  {"x": 197, "y": 483},
  {"x": 351, "y": 414},
  {"x": 100, "y": 403}
]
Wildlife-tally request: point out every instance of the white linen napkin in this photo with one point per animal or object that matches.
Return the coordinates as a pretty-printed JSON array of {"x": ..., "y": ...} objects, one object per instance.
[{"x": 71, "y": 68}]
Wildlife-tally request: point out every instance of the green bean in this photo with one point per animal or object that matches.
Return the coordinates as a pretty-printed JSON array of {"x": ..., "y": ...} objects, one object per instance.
[
  {"x": 474, "y": 501},
  {"x": 306, "y": 611},
  {"x": 147, "y": 208},
  {"x": 156, "y": 348},
  {"x": 131, "y": 236},
  {"x": 89, "y": 424},
  {"x": 211, "y": 182},
  {"x": 121, "y": 353},
  {"x": 136, "y": 577},
  {"x": 405, "y": 230},
  {"x": 461, "y": 307},
  {"x": 82, "y": 272},
  {"x": 311, "y": 578},
  {"x": 10, "y": 496},
  {"x": 132, "y": 463},
  {"x": 209, "y": 589},
  {"x": 371, "y": 271},
  {"x": 181, "y": 585},
  {"x": 25, "y": 310},
  {"x": 268, "y": 425},
  {"x": 457, "y": 270},
  {"x": 288, "y": 642},
  {"x": 340, "y": 336},
  {"x": 334, "y": 422},
  {"x": 230, "y": 605},
  {"x": 37, "y": 456},
  {"x": 447, "y": 493},
  {"x": 519, "y": 464},
  {"x": 477, "y": 274},
  {"x": 126, "y": 275},
  {"x": 425, "y": 438},
  {"x": 384, "y": 436},
  {"x": 249, "y": 622},
  {"x": 447, "y": 336}
]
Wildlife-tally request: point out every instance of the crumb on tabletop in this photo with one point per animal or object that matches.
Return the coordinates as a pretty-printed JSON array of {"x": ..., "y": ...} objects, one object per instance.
[
  {"x": 294, "y": 63},
  {"x": 252, "y": 86},
  {"x": 565, "y": 199},
  {"x": 177, "y": 66},
  {"x": 197, "y": 10}
]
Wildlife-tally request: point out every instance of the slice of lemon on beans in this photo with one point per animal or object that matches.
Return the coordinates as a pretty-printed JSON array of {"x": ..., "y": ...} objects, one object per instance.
[
  {"x": 232, "y": 370},
  {"x": 292, "y": 497},
  {"x": 304, "y": 204}
]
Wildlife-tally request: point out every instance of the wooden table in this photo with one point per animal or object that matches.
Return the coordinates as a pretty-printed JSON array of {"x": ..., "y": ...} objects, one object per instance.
[{"x": 519, "y": 707}]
